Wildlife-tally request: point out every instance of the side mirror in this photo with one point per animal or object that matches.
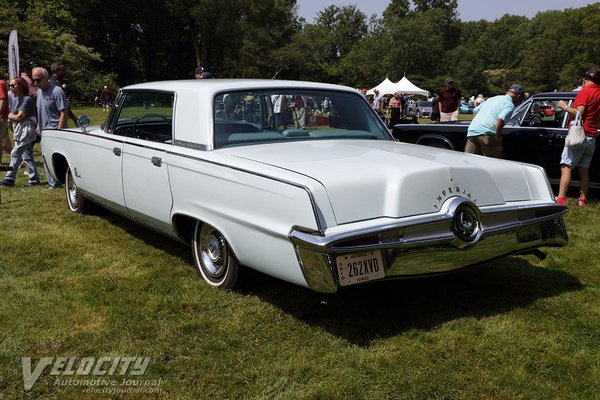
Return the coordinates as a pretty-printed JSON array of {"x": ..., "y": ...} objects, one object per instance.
[{"x": 83, "y": 121}]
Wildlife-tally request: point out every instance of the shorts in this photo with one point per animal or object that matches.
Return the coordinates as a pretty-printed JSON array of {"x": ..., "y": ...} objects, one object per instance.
[
  {"x": 581, "y": 157},
  {"x": 484, "y": 145},
  {"x": 449, "y": 117}
]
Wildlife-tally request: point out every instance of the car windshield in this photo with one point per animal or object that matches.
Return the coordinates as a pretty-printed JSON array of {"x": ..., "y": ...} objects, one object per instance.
[{"x": 258, "y": 116}]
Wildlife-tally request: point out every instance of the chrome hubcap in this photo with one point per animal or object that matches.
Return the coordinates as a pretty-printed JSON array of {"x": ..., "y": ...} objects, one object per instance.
[
  {"x": 213, "y": 251},
  {"x": 72, "y": 188}
]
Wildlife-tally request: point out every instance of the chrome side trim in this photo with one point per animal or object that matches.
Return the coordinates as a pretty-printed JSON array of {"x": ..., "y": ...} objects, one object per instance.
[
  {"x": 190, "y": 145},
  {"x": 318, "y": 218}
]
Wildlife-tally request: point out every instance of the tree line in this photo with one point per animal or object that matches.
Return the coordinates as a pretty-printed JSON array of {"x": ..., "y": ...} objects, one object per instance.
[{"x": 115, "y": 43}]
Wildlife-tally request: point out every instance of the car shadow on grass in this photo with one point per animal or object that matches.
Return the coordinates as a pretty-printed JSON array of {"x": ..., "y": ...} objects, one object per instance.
[
  {"x": 148, "y": 236},
  {"x": 362, "y": 313}
]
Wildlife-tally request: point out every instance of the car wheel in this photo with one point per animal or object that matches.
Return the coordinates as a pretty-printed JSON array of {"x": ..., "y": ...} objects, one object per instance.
[
  {"x": 75, "y": 200},
  {"x": 213, "y": 258},
  {"x": 438, "y": 144}
]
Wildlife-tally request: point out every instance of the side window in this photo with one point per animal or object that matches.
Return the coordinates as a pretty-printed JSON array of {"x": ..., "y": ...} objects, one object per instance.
[
  {"x": 545, "y": 113},
  {"x": 146, "y": 115}
]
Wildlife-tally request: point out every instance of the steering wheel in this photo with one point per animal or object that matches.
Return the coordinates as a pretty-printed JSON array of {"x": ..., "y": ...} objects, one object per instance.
[
  {"x": 535, "y": 121},
  {"x": 141, "y": 117}
]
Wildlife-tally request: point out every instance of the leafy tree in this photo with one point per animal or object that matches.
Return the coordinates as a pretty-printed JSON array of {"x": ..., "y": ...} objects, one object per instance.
[
  {"x": 45, "y": 36},
  {"x": 303, "y": 57},
  {"x": 347, "y": 26},
  {"x": 468, "y": 67},
  {"x": 549, "y": 47},
  {"x": 266, "y": 25},
  {"x": 236, "y": 38},
  {"x": 363, "y": 65},
  {"x": 397, "y": 9},
  {"x": 449, "y": 6},
  {"x": 122, "y": 42},
  {"x": 417, "y": 44}
]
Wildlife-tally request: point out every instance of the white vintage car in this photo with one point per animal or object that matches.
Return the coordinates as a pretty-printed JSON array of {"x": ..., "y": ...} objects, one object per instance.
[{"x": 300, "y": 181}]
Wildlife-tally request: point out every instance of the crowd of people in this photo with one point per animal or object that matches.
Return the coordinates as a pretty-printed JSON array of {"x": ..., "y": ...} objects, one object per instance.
[
  {"x": 33, "y": 101},
  {"x": 484, "y": 135},
  {"x": 37, "y": 100},
  {"x": 391, "y": 108}
]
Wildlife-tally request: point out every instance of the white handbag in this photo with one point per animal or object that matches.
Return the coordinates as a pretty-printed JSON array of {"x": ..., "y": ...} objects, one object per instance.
[{"x": 576, "y": 135}]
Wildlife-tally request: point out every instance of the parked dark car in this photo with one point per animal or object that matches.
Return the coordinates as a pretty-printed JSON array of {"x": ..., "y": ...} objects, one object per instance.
[
  {"x": 419, "y": 109},
  {"x": 466, "y": 107},
  {"x": 534, "y": 134}
]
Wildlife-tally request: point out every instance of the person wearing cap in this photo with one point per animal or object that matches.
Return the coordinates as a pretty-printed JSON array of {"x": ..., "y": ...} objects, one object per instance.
[
  {"x": 198, "y": 72},
  {"x": 484, "y": 136},
  {"x": 449, "y": 102},
  {"x": 587, "y": 104}
]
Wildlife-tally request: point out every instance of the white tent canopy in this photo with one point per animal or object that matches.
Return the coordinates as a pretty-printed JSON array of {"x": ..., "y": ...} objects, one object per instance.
[
  {"x": 406, "y": 86},
  {"x": 402, "y": 86},
  {"x": 385, "y": 87}
]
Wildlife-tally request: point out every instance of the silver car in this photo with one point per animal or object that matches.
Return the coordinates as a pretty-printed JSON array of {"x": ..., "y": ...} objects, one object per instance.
[{"x": 419, "y": 109}]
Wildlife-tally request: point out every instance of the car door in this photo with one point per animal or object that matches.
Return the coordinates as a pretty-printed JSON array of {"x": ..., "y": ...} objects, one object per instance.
[
  {"x": 97, "y": 170},
  {"x": 145, "y": 174},
  {"x": 535, "y": 134}
]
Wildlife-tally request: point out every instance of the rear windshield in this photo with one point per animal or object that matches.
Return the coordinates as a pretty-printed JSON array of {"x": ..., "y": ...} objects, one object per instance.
[{"x": 250, "y": 117}]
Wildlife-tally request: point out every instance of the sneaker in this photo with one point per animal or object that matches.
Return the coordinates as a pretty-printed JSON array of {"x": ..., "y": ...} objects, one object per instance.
[
  {"x": 31, "y": 184},
  {"x": 7, "y": 182},
  {"x": 581, "y": 202},
  {"x": 561, "y": 201},
  {"x": 57, "y": 187}
]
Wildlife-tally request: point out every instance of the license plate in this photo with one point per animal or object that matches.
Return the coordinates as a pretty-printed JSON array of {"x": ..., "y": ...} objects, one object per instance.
[{"x": 360, "y": 267}]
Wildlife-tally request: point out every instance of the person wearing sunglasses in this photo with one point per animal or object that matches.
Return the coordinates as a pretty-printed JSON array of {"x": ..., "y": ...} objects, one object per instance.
[
  {"x": 23, "y": 120},
  {"x": 52, "y": 108}
]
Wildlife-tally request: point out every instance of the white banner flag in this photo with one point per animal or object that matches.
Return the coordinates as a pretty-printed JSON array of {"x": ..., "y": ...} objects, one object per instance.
[{"x": 13, "y": 55}]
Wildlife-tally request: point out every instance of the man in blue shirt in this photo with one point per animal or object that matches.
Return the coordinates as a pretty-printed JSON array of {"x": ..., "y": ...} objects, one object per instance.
[
  {"x": 484, "y": 136},
  {"x": 52, "y": 107}
]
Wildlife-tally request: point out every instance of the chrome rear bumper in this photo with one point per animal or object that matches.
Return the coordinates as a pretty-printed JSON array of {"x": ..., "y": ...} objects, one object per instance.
[{"x": 458, "y": 236}]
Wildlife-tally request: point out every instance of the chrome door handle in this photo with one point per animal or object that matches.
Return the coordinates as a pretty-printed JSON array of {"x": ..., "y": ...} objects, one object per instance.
[
  {"x": 157, "y": 161},
  {"x": 117, "y": 151}
]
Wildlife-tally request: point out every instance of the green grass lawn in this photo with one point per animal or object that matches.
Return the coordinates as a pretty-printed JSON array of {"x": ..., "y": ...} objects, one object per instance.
[
  {"x": 98, "y": 285},
  {"x": 97, "y": 116}
]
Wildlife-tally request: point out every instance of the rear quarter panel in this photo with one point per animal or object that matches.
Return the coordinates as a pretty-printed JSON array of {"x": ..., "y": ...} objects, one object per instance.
[{"x": 254, "y": 213}]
